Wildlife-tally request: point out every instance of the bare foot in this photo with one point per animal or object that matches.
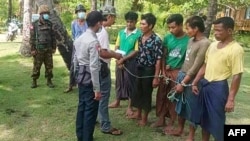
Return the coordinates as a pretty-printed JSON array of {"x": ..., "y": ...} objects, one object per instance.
[
  {"x": 135, "y": 115},
  {"x": 189, "y": 139},
  {"x": 114, "y": 104},
  {"x": 158, "y": 123},
  {"x": 168, "y": 128},
  {"x": 129, "y": 112},
  {"x": 142, "y": 123},
  {"x": 175, "y": 133}
]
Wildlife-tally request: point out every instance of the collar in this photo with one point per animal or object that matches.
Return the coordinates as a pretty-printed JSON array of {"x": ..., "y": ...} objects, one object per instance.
[
  {"x": 91, "y": 31},
  {"x": 133, "y": 32}
]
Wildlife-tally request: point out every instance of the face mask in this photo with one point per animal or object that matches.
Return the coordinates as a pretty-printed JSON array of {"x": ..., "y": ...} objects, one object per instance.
[
  {"x": 81, "y": 15},
  {"x": 46, "y": 16}
]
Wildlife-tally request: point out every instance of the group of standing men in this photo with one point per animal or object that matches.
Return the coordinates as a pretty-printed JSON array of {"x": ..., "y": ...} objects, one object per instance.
[{"x": 184, "y": 65}]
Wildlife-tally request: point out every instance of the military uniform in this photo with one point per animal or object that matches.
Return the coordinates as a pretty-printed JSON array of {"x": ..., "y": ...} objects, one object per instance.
[{"x": 43, "y": 45}]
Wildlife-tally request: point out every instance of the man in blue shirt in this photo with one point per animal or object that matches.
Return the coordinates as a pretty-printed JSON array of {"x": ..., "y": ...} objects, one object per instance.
[{"x": 78, "y": 26}]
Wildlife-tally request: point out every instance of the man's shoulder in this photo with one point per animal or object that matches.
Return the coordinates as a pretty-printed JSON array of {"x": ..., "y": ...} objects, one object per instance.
[
  {"x": 203, "y": 41},
  {"x": 74, "y": 22},
  {"x": 121, "y": 31},
  {"x": 236, "y": 47},
  {"x": 214, "y": 43},
  {"x": 168, "y": 35},
  {"x": 157, "y": 37}
]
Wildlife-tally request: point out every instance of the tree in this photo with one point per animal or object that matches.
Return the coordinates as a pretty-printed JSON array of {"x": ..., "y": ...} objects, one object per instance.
[
  {"x": 10, "y": 10},
  {"x": 93, "y": 5},
  {"x": 63, "y": 40},
  {"x": 211, "y": 15},
  {"x": 134, "y": 5},
  {"x": 20, "y": 13},
  {"x": 27, "y": 10}
]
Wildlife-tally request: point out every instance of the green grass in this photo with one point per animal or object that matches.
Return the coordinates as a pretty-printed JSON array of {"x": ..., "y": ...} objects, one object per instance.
[{"x": 45, "y": 114}]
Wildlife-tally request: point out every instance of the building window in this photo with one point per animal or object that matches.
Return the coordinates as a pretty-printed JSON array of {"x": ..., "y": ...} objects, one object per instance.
[
  {"x": 227, "y": 13},
  {"x": 248, "y": 13}
]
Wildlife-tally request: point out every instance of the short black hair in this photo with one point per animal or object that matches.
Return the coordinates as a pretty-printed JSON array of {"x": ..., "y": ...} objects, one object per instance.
[
  {"x": 196, "y": 21},
  {"x": 131, "y": 16},
  {"x": 149, "y": 18},
  {"x": 177, "y": 18},
  {"x": 94, "y": 17},
  {"x": 227, "y": 22}
]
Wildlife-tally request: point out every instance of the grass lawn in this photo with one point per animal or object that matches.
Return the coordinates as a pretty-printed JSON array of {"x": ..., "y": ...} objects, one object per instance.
[{"x": 45, "y": 114}]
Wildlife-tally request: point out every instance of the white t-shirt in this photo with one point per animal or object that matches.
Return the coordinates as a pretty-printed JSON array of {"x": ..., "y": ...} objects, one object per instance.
[{"x": 103, "y": 38}]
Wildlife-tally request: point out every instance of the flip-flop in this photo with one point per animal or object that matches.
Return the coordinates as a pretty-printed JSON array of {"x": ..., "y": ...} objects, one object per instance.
[{"x": 113, "y": 131}]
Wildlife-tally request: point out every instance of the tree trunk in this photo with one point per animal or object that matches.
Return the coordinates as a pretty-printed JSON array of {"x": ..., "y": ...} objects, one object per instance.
[
  {"x": 93, "y": 5},
  {"x": 212, "y": 11},
  {"x": 10, "y": 10},
  {"x": 25, "y": 46},
  {"x": 63, "y": 40},
  {"x": 20, "y": 13},
  {"x": 135, "y": 5},
  {"x": 108, "y": 2}
]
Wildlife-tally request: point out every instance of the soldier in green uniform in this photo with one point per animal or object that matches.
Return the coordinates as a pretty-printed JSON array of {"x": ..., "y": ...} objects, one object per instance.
[{"x": 43, "y": 45}]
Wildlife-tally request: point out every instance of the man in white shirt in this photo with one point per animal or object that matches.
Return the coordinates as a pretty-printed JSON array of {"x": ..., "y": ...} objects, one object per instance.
[{"x": 106, "y": 54}]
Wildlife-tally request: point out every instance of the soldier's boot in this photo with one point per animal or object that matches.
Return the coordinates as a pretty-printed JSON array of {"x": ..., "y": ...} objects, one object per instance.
[
  {"x": 50, "y": 84},
  {"x": 34, "y": 84}
]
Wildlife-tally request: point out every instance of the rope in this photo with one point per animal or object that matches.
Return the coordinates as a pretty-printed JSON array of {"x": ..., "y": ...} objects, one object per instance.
[
  {"x": 167, "y": 79},
  {"x": 171, "y": 95}
]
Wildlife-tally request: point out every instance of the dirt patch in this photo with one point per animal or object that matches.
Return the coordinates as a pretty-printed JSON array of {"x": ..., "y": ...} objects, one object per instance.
[{"x": 3, "y": 36}]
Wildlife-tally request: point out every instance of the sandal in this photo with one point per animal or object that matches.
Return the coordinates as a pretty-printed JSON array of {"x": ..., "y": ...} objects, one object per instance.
[
  {"x": 113, "y": 131},
  {"x": 68, "y": 90}
]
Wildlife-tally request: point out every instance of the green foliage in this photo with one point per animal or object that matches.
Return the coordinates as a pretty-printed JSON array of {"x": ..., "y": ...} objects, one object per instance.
[
  {"x": 67, "y": 17},
  {"x": 67, "y": 11},
  {"x": 113, "y": 33},
  {"x": 4, "y": 11},
  {"x": 243, "y": 39}
]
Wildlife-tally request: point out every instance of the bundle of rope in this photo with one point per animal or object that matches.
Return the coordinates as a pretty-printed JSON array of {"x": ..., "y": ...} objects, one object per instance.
[{"x": 172, "y": 95}]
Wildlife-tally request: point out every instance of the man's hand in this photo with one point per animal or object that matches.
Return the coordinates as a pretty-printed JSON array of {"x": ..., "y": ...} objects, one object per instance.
[
  {"x": 120, "y": 61},
  {"x": 195, "y": 90},
  {"x": 33, "y": 53},
  {"x": 97, "y": 96},
  {"x": 229, "y": 106},
  {"x": 118, "y": 56},
  {"x": 155, "y": 82},
  {"x": 179, "y": 88}
]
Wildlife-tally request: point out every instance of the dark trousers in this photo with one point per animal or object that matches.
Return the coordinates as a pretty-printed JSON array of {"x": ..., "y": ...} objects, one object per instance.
[
  {"x": 86, "y": 113},
  {"x": 73, "y": 74},
  {"x": 142, "y": 98},
  {"x": 74, "y": 67}
]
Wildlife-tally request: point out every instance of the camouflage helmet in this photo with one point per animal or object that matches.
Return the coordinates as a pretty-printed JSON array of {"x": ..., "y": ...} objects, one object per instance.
[
  {"x": 80, "y": 7},
  {"x": 108, "y": 10},
  {"x": 43, "y": 9}
]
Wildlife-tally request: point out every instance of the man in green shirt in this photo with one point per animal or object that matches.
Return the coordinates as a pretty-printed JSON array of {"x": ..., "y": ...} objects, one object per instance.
[
  {"x": 127, "y": 42},
  {"x": 175, "y": 45}
]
